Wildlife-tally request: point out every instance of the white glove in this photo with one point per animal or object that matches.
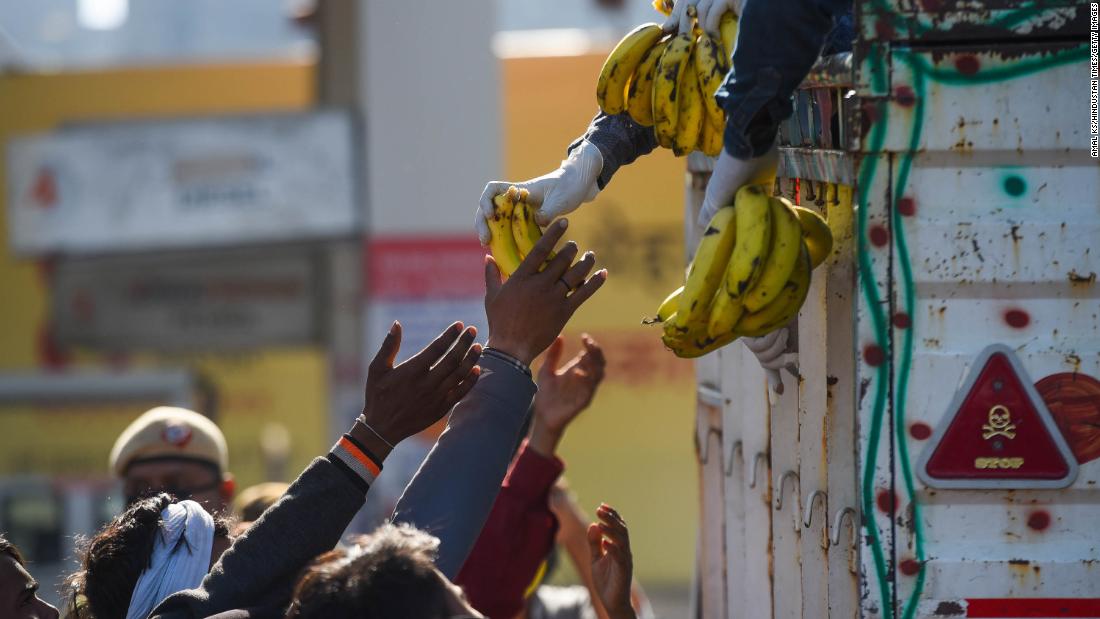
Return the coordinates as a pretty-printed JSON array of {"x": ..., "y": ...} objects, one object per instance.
[
  {"x": 729, "y": 175},
  {"x": 771, "y": 352},
  {"x": 708, "y": 13},
  {"x": 553, "y": 195}
]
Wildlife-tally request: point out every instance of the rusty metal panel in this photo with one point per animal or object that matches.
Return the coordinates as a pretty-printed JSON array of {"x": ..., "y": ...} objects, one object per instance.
[
  {"x": 976, "y": 232},
  {"x": 962, "y": 20}
]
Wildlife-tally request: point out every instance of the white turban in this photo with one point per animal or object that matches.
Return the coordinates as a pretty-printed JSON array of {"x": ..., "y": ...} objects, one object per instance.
[{"x": 181, "y": 557}]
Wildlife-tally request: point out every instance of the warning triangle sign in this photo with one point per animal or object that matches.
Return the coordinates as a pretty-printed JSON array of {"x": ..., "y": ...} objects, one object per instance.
[{"x": 997, "y": 433}]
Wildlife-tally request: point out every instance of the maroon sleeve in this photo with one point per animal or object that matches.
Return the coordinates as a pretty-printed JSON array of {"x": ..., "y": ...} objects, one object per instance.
[{"x": 515, "y": 540}]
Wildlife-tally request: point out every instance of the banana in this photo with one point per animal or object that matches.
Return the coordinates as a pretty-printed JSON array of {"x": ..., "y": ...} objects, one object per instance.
[
  {"x": 694, "y": 344},
  {"x": 754, "y": 230},
  {"x": 639, "y": 101},
  {"x": 782, "y": 256},
  {"x": 667, "y": 308},
  {"x": 725, "y": 311},
  {"x": 785, "y": 306},
  {"x": 728, "y": 28},
  {"x": 502, "y": 243},
  {"x": 705, "y": 273},
  {"x": 690, "y": 116},
  {"x": 620, "y": 65},
  {"x": 666, "y": 87},
  {"x": 816, "y": 233},
  {"x": 524, "y": 229},
  {"x": 664, "y": 7},
  {"x": 710, "y": 139},
  {"x": 711, "y": 69}
]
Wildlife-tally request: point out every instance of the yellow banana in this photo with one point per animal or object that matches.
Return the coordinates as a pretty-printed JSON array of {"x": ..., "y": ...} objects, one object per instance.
[
  {"x": 639, "y": 101},
  {"x": 663, "y": 7},
  {"x": 782, "y": 256},
  {"x": 754, "y": 231},
  {"x": 667, "y": 308},
  {"x": 710, "y": 139},
  {"x": 694, "y": 344},
  {"x": 816, "y": 233},
  {"x": 689, "y": 121},
  {"x": 725, "y": 311},
  {"x": 711, "y": 69},
  {"x": 502, "y": 242},
  {"x": 728, "y": 28},
  {"x": 524, "y": 229},
  {"x": 785, "y": 306},
  {"x": 666, "y": 87},
  {"x": 706, "y": 270},
  {"x": 620, "y": 65}
]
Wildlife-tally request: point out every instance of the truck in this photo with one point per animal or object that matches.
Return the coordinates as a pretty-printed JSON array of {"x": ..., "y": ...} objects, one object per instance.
[{"x": 934, "y": 450}]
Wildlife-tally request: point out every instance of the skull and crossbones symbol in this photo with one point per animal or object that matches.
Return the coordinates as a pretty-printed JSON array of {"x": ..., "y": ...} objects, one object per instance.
[{"x": 999, "y": 424}]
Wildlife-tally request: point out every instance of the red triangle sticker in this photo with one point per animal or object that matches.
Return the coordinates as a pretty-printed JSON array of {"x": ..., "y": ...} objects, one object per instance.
[{"x": 998, "y": 433}]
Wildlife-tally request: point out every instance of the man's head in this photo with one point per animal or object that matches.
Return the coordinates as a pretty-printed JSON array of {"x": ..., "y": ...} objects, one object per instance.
[
  {"x": 389, "y": 573},
  {"x": 18, "y": 589},
  {"x": 113, "y": 561},
  {"x": 177, "y": 451}
]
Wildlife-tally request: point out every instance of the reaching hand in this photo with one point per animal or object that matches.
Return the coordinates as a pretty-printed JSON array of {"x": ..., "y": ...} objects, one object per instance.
[
  {"x": 564, "y": 391},
  {"x": 730, "y": 174},
  {"x": 772, "y": 351},
  {"x": 708, "y": 14},
  {"x": 528, "y": 311},
  {"x": 403, "y": 400},
  {"x": 555, "y": 194},
  {"x": 612, "y": 563}
]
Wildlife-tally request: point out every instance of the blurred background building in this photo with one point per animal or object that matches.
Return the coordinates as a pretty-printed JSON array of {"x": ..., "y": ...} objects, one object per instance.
[{"x": 222, "y": 205}]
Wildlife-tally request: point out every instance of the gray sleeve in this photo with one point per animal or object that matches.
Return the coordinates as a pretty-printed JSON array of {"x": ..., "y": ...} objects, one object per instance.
[
  {"x": 260, "y": 567},
  {"x": 454, "y": 490},
  {"x": 620, "y": 141}
]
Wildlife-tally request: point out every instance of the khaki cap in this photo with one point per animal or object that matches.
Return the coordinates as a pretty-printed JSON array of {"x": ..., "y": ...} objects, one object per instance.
[{"x": 169, "y": 432}]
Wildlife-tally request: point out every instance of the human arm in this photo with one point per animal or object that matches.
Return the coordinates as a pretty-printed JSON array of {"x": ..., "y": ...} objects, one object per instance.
[
  {"x": 609, "y": 142},
  {"x": 261, "y": 565},
  {"x": 612, "y": 563},
  {"x": 520, "y": 531},
  {"x": 573, "y": 538},
  {"x": 453, "y": 492}
]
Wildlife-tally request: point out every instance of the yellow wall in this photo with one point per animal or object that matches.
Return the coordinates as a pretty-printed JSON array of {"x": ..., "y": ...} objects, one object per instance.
[
  {"x": 286, "y": 386},
  {"x": 634, "y": 448}
]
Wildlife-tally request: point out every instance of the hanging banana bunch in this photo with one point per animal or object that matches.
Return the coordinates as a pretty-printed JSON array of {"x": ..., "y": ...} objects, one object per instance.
[
  {"x": 668, "y": 82},
  {"x": 750, "y": 274}
]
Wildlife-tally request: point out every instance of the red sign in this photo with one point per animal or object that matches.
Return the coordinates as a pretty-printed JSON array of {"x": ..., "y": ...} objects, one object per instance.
[
  {"x": 425, "y": 268},
  {"x": 998, "y": 433}
]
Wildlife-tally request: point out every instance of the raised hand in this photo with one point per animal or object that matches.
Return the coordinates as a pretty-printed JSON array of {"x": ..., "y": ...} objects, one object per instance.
[
  {"x": 554, "y": 194},
  {"x": 612, "y": 563},
  {"x": 402, "y": 400},
  {"x": 528, "y": 311},
  {"x": 564, "y": 391}
]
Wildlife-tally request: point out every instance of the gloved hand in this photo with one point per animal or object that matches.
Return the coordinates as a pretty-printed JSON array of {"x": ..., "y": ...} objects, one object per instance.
[
  {"x": 553, "y": 195},
  {"x": 771, "y": 352},
  {"x": 730, "y": 174},
  {"x": 708, "y": 13}
]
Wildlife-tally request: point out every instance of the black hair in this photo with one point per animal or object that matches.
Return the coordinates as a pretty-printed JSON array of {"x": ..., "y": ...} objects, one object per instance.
[
  {"x": 389, "y": 573},
  {"x": 111, "y": 562},
  {"x": 10, "y": 549}
]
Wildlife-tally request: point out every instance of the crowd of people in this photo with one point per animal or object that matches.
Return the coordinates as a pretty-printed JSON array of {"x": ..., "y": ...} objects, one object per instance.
[{"x": 474, "y": 534}]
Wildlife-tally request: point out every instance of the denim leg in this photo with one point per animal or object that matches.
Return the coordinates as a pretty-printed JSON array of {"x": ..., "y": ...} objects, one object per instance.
[{"x": 778, "y": 42}]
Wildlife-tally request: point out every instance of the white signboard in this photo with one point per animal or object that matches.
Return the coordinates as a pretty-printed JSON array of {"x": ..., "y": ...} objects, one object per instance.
[
  {"x": 222, "y": 300},
  {"x": 182, "y": 183}
]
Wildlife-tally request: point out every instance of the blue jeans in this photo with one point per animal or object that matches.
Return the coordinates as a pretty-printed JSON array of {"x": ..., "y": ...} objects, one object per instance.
[{"x": 778, "y": 42}]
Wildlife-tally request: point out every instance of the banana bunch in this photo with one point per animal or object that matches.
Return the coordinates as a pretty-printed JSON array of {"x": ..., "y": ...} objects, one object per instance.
[
  {"x": 750, "y": 274},
  {"x": 513, "y": 228},
  {"x": 668, "y": 82}
]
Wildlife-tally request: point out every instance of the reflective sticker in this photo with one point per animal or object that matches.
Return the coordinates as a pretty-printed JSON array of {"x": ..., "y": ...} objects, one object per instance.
[{"x": 997, "y": 433}]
